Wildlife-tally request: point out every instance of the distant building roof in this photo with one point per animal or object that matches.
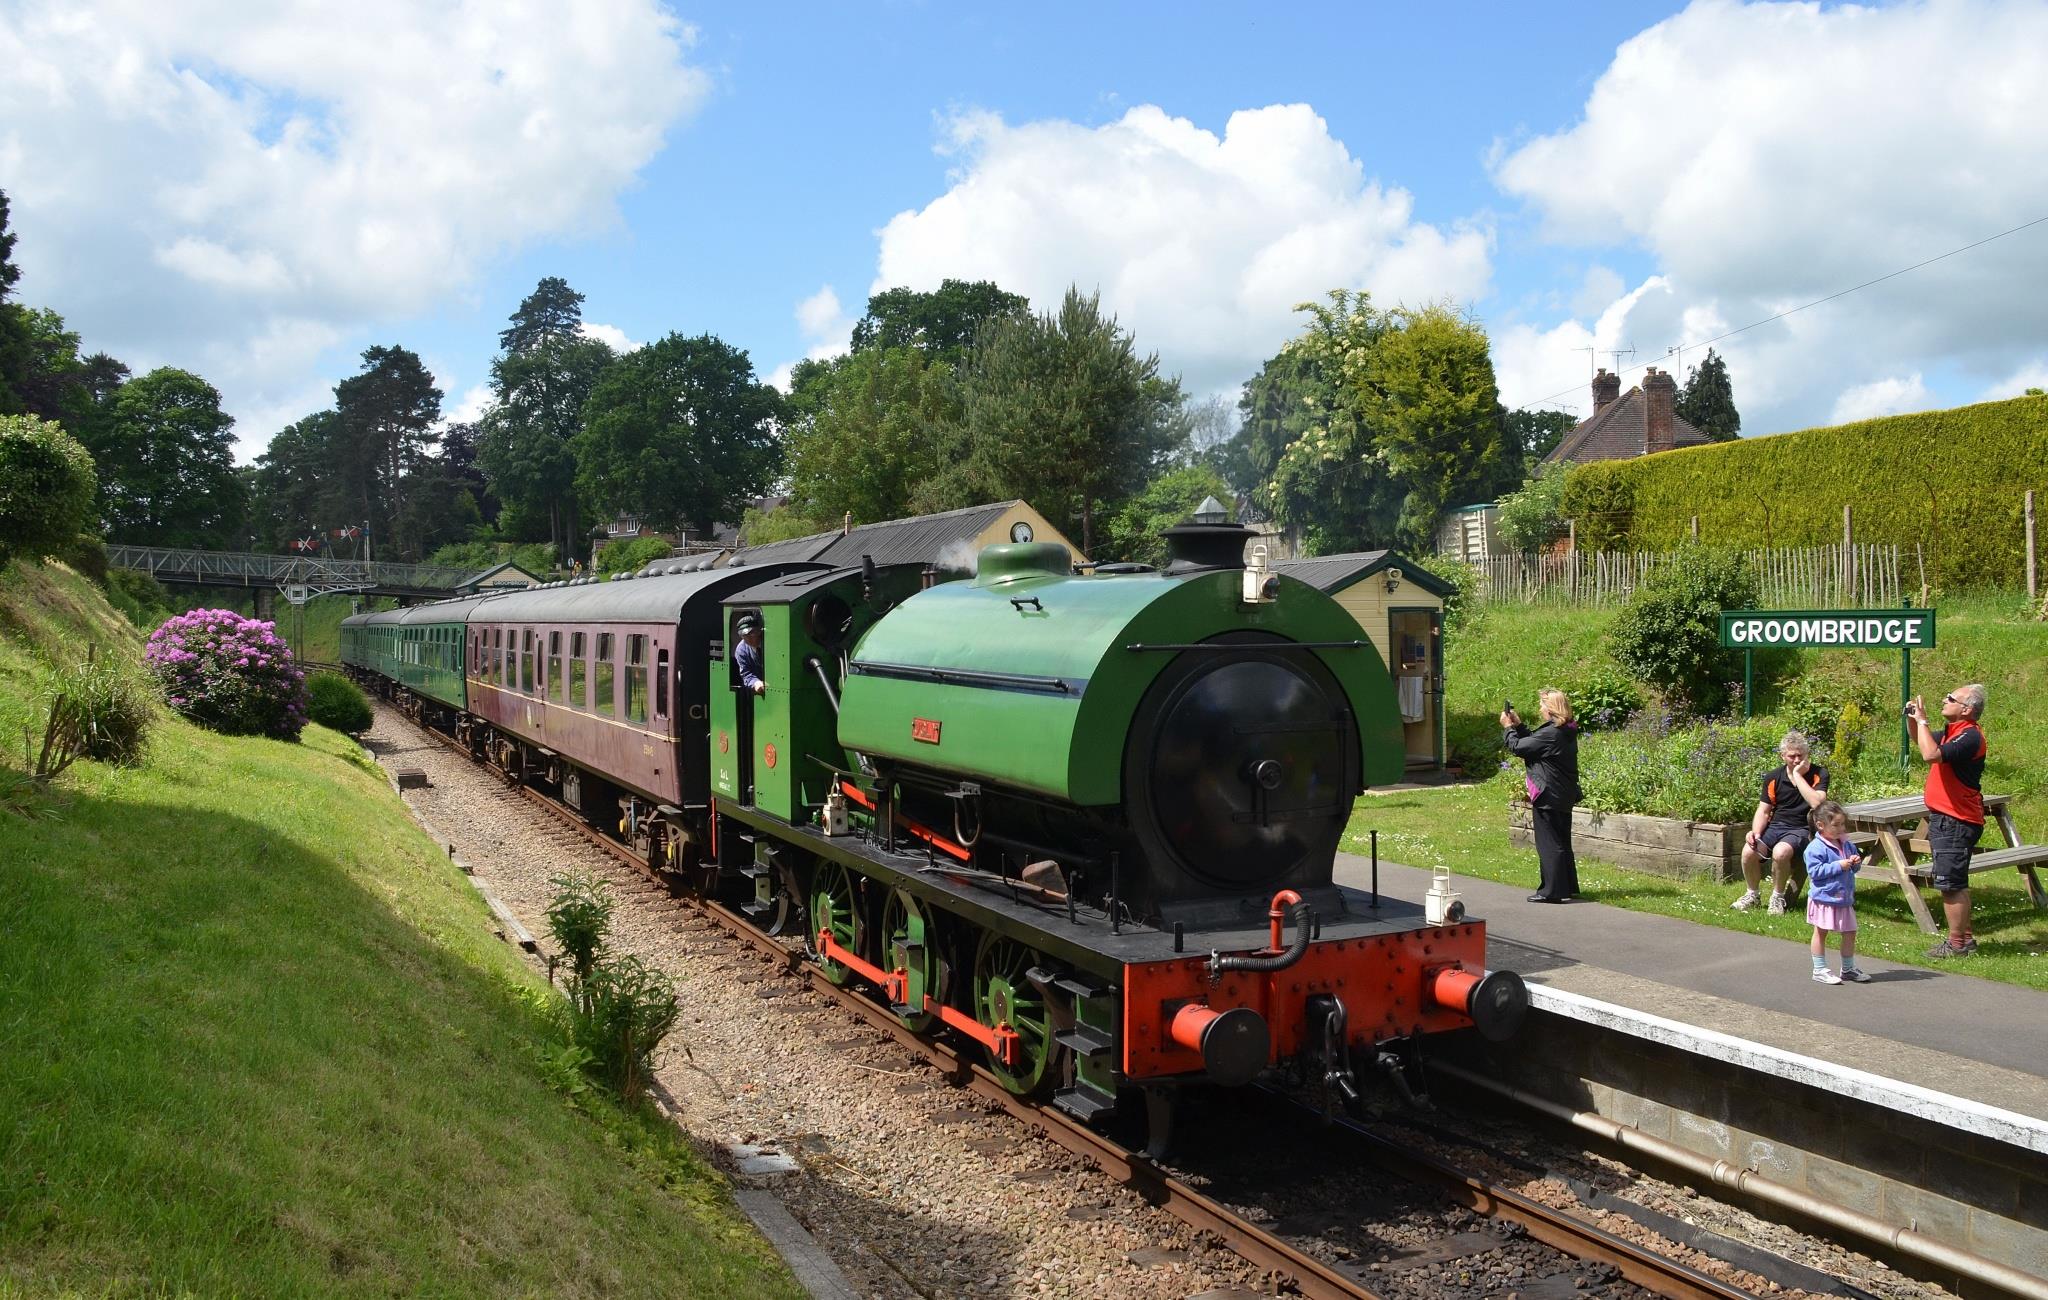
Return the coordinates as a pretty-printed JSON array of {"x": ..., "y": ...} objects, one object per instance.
[
  {"x": 514, "y": 576},
  {"x": 1333, "y": 573},
  {"x": 917, "y": 540},
  {"x": 1619, "y": 428}
]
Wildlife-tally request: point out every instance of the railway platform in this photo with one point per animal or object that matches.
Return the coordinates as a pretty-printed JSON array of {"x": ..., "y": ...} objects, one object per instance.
[{"x": 1919, "y": 1098}]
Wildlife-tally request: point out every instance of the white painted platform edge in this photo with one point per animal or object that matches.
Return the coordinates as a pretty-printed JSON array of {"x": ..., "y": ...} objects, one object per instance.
[{"x": 1909, "y": 1098}]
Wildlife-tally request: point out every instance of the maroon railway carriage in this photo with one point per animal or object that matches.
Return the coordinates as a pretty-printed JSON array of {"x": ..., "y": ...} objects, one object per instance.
[{"x": 600, "y": 688}]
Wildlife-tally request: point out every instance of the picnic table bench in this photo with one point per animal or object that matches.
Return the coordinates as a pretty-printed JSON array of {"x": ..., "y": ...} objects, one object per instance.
[{"x": 1897, "y": 827}]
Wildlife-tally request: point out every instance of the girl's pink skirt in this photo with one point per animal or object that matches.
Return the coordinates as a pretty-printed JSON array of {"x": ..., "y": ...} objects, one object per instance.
[{"x": 1838, "y": 917}]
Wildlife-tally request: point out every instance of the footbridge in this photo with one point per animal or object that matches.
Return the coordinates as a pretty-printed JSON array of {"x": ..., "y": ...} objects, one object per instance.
[{"x": 299, "y": 576}]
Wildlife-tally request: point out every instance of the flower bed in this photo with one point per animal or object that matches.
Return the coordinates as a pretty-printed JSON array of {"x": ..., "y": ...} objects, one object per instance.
[{"x": 228, "y": 674}]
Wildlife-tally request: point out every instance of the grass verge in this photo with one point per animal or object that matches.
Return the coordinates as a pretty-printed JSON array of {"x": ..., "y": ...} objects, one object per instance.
[{"x": 261, "y": 1042}]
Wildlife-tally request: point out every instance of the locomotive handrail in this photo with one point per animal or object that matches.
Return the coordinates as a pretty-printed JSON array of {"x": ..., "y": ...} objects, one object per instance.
[
  {"x": 970, "y": 677},
  {"x": 1141, "y": 646}
]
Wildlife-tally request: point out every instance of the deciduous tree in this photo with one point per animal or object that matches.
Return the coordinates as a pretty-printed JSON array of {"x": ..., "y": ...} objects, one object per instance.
[
  {"x": 167, "y": 463},
  {"x": 868, "y": 429},
  {"x": 942, "y": 323},
  {"x": 1538, "y": 432},
  {"x": 1136, "y": 531},
  {"x": 680, "y": 432}
]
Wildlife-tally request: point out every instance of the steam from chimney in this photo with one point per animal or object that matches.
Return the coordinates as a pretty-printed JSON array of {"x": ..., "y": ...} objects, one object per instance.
[{"x": 959, "y": 557}]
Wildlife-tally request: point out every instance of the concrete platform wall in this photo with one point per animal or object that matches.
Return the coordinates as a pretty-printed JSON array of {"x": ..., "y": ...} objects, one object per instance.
[{"x": 1974, "y": 1192}]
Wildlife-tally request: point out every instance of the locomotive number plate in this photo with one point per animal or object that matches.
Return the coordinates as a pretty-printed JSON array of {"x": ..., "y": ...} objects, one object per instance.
[
  {"x": 768, "y": 754},
  {"x": 925, "y": 729}
]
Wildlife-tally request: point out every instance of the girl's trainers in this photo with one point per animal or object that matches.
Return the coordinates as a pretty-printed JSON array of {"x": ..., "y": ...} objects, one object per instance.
[
  {"x": 1855, "y": 975},
  {"x": 1822, "y": 975}
]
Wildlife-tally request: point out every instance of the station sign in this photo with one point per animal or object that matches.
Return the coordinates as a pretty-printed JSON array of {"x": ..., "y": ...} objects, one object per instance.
[
  {"x": 1844, "y": 629},
  {"x": 298, "y": 593}
]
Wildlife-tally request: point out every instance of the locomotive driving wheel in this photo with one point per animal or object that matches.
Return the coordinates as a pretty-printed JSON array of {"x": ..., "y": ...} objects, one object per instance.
[
  {"x": 835, "y": 908},
  {"x": 1003, "y": 995},
  {"x": 908, "y": 935}
]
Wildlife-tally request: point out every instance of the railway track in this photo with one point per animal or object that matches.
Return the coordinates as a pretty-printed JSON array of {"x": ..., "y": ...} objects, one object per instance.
[{"x": 1286, "y": 1263}]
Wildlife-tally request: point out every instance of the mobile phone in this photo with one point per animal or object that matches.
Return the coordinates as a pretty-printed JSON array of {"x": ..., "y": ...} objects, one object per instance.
[{"x": 1507, "y": 706}]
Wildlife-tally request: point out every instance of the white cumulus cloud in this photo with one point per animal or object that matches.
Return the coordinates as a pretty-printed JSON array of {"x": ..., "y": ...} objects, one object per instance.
[
  {"x": 235, "y": 188},
  {"x": 1201, "y": 244},
  {"x": 610, "y": 335},
  {"x": 1892, "y": 396},
  {"x": 826, "y": 329},
  {"x": 1767, "y": 155}
]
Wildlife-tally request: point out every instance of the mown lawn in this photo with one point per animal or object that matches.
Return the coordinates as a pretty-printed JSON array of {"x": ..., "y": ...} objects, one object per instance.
[
  {"x": 258, "y": 1040},
  {"x": 1512, "y": 651}
]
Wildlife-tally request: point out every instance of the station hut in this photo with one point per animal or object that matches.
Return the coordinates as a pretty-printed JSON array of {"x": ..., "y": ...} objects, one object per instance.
[{"x": 1401, "y": 608}]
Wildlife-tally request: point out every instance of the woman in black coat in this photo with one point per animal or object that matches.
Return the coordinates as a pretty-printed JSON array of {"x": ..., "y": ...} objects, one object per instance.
[{"x": 1552, "y": 753}]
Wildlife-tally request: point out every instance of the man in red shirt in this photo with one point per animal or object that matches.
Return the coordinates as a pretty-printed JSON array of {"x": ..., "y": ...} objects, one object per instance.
[{"x": 1955, "y": 805}]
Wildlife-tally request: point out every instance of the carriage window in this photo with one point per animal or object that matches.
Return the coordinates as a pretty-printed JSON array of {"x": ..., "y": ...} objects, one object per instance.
[
  {"x": 561, "y": 677},
  {"x": 636, "y": 679},
  {"x": 661, "y": 683},
  {"x": 497, "y": 668},
  {"x": 579, "y": 693},
  {"x": 526, "y": 661},
  {"x": 601, "y": 675}
]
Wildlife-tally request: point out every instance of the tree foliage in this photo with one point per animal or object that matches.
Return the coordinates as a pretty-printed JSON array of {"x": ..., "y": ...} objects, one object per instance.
[
  {"x": 1707, "y": 401},
  {"x": 942, "y": 323},
  {"x": 388, "y": 412},
  {"x": 1538, "y": 432},
  {"x": 759, "y": 527},
  {"x": 866, "y": 430},
  {"x": 1393, "y": 416},
  {"x": 47, "y": 487},
  {"x": 552, "y": 311},
  {"x": 1064, "y": 413},
  {"x": 679, "y": 433},
  {"x": 167, "y": 463}
]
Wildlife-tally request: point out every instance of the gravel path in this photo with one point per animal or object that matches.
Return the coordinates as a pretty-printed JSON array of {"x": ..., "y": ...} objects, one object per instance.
[
  {"x": 913, "y": 1188},
  {"x": 918, "y": 1189}
]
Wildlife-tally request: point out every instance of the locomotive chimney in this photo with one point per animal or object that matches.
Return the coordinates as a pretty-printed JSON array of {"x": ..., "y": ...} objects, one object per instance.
[{"x": 1209, "y": 540}]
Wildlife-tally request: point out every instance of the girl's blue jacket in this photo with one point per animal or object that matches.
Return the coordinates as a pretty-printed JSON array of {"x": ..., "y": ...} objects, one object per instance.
[{"x": 1832, "y": 882}]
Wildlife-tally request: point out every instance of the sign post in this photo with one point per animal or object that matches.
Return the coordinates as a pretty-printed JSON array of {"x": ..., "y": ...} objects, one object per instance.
[{"x": 1905, "y": 629}]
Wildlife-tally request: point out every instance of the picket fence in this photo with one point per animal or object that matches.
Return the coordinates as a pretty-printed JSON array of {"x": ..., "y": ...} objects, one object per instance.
[{"x": 1801, "y": 577}]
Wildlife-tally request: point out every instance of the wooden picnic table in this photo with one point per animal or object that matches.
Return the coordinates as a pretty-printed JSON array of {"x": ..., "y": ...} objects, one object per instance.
[{"x": 1898, "y": 827}]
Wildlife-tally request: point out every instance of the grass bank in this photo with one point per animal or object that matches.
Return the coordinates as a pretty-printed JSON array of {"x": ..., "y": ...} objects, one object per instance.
[
  {"x": 260, "y": 1041},
  {"x": 1510, "y": 651}
]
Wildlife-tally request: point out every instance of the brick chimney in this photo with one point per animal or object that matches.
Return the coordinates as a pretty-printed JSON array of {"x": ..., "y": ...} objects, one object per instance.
[
  {"x": 1606, "y": 388},
  {"x": 1660, "y": 403}
]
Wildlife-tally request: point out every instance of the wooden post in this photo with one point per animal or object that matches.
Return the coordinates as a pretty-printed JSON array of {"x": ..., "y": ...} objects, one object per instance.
[
  {"x": 1571, "y": 534},
  {"x": 1695, "y": 527},
  {"x": 2033, "y": 588},
  {"x": 1848, "y": 555}
]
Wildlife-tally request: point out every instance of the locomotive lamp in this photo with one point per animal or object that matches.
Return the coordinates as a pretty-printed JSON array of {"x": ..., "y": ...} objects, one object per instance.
[
  {"x": 1261, "y": 587},
  {"x": 1442, "y": 906}
]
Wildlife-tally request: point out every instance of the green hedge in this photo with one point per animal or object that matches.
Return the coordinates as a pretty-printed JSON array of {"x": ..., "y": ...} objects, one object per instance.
[{"x": 1954, "y": 482}]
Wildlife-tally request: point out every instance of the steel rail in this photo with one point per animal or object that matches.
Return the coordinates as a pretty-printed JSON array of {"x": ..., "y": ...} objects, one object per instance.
[{"x": 1307, "y": 1275}]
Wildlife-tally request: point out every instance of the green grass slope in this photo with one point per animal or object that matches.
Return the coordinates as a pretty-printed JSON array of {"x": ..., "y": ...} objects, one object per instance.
[
  {"x": 1514, "y": 650},
  {"x": 259, "y": 1041}
]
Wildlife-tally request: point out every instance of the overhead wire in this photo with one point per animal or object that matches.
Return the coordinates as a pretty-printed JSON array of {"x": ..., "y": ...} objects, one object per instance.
[{"x": 1793, "y": 311}]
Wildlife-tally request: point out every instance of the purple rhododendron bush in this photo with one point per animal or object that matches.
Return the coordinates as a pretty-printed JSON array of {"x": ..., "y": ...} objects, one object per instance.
[{"x": 229, "y": 674}]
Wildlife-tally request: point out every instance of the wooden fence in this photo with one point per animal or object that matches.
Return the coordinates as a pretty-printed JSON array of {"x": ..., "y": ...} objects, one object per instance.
[{"x": 1803, "y": 577}]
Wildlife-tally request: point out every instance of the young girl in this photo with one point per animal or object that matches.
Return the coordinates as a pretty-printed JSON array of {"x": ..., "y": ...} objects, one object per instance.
[{"x": 1831, "y": 863}]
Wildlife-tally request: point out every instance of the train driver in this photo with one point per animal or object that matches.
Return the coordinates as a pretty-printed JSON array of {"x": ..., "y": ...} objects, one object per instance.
[{"x": 748, "y": 656}]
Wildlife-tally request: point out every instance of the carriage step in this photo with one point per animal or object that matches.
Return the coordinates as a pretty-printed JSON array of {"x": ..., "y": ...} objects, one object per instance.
[
  {"x": 1084, "y": 1039},
  {"x": 1083, "y": 1103}
]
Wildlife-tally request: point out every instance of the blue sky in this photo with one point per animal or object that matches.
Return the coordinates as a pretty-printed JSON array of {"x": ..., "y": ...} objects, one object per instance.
[{"x": 265, "y": 193}]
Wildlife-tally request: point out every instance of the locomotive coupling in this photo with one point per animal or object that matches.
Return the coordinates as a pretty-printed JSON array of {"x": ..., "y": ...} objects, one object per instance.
[{"x": 1497, "y": 1001}]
